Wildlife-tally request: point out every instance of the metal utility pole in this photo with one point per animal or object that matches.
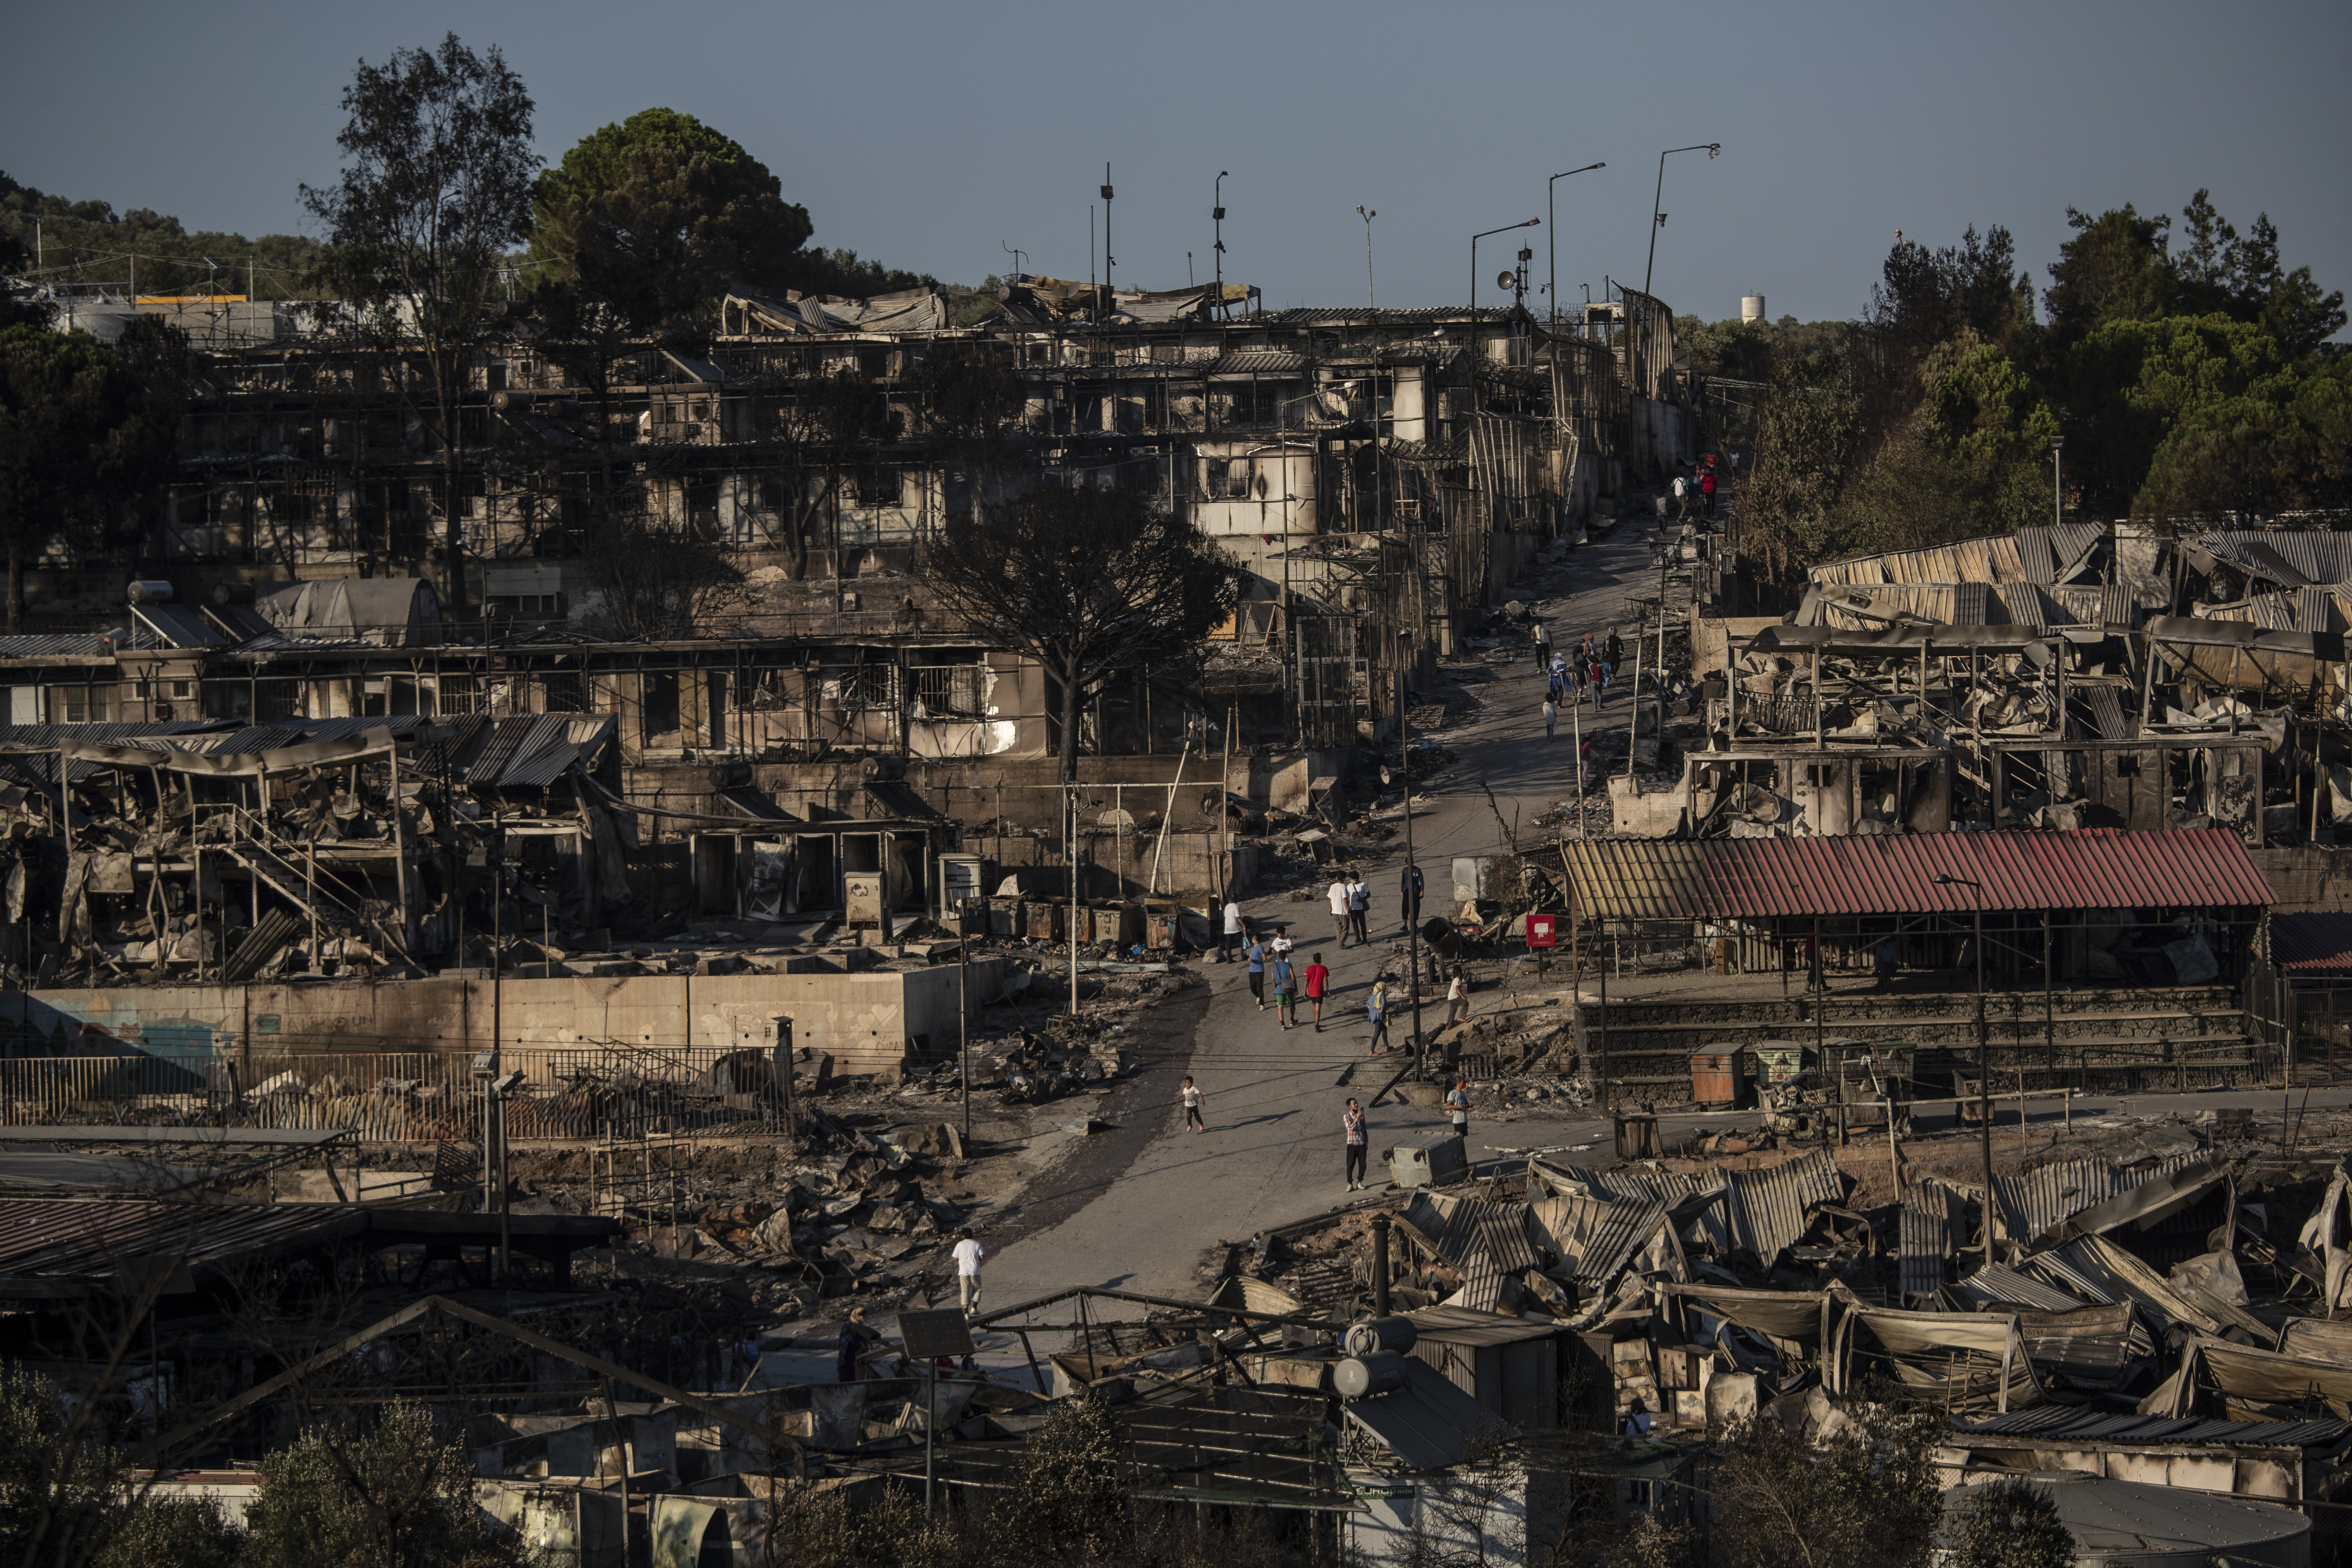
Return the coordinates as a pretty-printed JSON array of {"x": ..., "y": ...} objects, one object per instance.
[
  {"x": 2057, "y": 480},
  {"x": 1107, "y": 254},
  {"x": 1553, "y": 218},
  {"x": 1368, "y": 217},
  {"x": 1984, "y": 1048},
  {"x": 1217, "y": 218},
  {"x": 1658, "y": 218},
  {"x": 1411, "y": 914},
  {"x": 1070, "y": 807}
]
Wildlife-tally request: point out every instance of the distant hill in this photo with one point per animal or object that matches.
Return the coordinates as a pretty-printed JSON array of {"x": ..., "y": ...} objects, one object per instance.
[{"x": 89, "y": 242}]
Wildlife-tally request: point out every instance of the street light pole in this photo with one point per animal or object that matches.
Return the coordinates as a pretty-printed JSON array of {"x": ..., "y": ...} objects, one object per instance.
[
  {"x": 1984, "y": 1049},
  {"x": 1489, "y": 234},
  {"x": 1217, "y": 217},
  {"x": 1553, "y": 218},
  {"x": 1658, "y": 218},
  {"x": 1370, "y": 304}
]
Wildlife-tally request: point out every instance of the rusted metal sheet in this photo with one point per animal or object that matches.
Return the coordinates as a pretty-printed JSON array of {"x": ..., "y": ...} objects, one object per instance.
[
  {"x": 1928, "y": 1234},
  {"x": 1772, "y": 1209},
  {"x": 2035, "y": 1202},
  {"x": 1748, "y": 879},
  {"x": 1463, "y": 1228},
  {"x": 1595, "y": 1239}
]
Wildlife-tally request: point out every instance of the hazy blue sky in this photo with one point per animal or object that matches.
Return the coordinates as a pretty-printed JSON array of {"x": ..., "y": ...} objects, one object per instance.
[{"x": 927, "y": 135}]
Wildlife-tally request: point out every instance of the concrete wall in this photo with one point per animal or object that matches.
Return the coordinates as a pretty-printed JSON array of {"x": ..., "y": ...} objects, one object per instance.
[{"x": 864, "y": 1020}]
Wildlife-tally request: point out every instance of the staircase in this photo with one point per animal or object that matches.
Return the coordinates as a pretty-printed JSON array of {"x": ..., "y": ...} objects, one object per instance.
[
  {"x": 2124, "y": 1040},
  {"x": 314, "y": 896}
]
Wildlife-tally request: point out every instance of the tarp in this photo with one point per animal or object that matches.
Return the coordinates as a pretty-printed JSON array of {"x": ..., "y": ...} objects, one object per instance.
[
  {"x": 1802, "y": 1317},
  {"x": 2328, "y": 1233},
  {"x": 242, "y": 765},
  {"x": 677, "y": 1525},
  {"x": 2269, "y": 1377},
  {"x": 1917, "y": 1341}
]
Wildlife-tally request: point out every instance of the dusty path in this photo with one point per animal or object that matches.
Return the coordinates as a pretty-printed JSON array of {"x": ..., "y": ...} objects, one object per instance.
[{"x": 1273, "y": 1153}]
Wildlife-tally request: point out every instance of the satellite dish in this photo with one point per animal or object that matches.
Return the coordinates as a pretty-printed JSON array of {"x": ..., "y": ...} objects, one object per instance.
[{"x": 1509, "y": 279}]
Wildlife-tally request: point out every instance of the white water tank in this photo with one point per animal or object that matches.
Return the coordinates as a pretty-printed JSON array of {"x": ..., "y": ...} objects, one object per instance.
[{"x": 1751, "y": 308}]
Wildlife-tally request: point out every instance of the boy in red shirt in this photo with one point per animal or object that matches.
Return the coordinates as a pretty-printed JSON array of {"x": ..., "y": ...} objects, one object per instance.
[{"x": 1318, "y": 979}]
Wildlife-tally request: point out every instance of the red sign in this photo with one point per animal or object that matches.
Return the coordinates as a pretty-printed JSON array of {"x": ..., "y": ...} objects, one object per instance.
[{"x": 1543, "y": 931}]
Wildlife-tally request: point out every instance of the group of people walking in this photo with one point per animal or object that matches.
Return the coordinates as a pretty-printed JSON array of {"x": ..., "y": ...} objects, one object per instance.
[{"x": 1580, "y": 675}]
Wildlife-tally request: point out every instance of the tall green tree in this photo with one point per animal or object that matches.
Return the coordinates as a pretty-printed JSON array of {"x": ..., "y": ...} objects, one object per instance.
[
  {"x": 2118, "y": 267},
  {"x": 651, "y": 218},
  {"x": 85, "y": 443},
  {"x": 1085, "y": 581},
  {"x": 435, "y": 190}
]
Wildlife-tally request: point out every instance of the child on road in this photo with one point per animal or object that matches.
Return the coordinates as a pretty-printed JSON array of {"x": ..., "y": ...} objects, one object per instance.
[
  {"x": 1256, "y": 957},
  {"x": 1378, "y": 1010},
  {"x": 1318, "y": 979},
  {"x": 1352, "y": 1126},
  {"x": 1191, "y": 1099}
]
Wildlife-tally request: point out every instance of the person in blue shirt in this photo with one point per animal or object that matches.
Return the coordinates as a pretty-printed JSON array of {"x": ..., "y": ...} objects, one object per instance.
[
  {"x": 1285, "y": 989},
  {"x": 1256, "y": 957}
]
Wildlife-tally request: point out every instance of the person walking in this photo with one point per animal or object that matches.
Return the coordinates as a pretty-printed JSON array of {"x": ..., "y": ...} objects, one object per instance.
[
  {"x": 1256, "y": 957},
  {"x": 1352, "y": 1127},
  {"x": 1319, "y": 983},
  {"x": 1542, "y": 645},
  {"x": 969, "y": 1256},
  {"x": 1359, "y": 908},
  {"x": 1232, "y": 934},
  {"x": 1457, "y": 998},
  {"x": 1191, "y": 1099},
  {"x": 1707, "y": 494},
  {"x": 1286, "y": 982},
  {"x": 1336, "y": 896},
  {"x": 1552, "y": 714},
  {"x": 1377, "y": 1010},
  {"x": 1682, "y": 499},
  {"x": 849, "y": 1362},
  {"x": 1457, "y": 1105},
  {"x": 1409, "y": 892},
  {"x": 1612, "y": 654}
]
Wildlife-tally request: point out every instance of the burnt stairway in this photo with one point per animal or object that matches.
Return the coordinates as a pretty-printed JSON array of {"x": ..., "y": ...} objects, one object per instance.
[{"x": 319, "y": 896}]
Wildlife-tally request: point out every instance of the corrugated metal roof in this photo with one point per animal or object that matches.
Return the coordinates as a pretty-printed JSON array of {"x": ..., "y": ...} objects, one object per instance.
[
  {"x": 1462, "y": 1228},
  {"x": 1997, "y": 1284},
  {"x": 2031, "y": 1204},
  {"x": 1772, "y": 1209},
  {"x": 1672, "y": 1188},
  {"x": 77, "y": 1237},
  {"x": 2077, "y": 1421},
  {"x": 1461, "y": 1326},
  {"x": 1595, "y": 1238},
  {"x": 1748, "y": 879},
  {"x": 1259, "y": 362},
  {"x": 52, "y": 644},
  {"x": 2317, "y": 940},
  {"x": 1927, "y": 1234}
]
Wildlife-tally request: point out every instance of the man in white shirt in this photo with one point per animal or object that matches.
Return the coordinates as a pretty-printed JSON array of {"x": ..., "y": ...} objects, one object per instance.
[
  {"x": 969, "y": 1256},
  {"x": 1336, "y": 896},
  {"x": 1232, "y": 931}
]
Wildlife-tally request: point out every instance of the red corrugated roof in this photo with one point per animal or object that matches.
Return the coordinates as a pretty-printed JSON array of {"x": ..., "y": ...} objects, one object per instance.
[
  {"x": 1750, "y": 878},
  {"x": 2317, "y": 940}
]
